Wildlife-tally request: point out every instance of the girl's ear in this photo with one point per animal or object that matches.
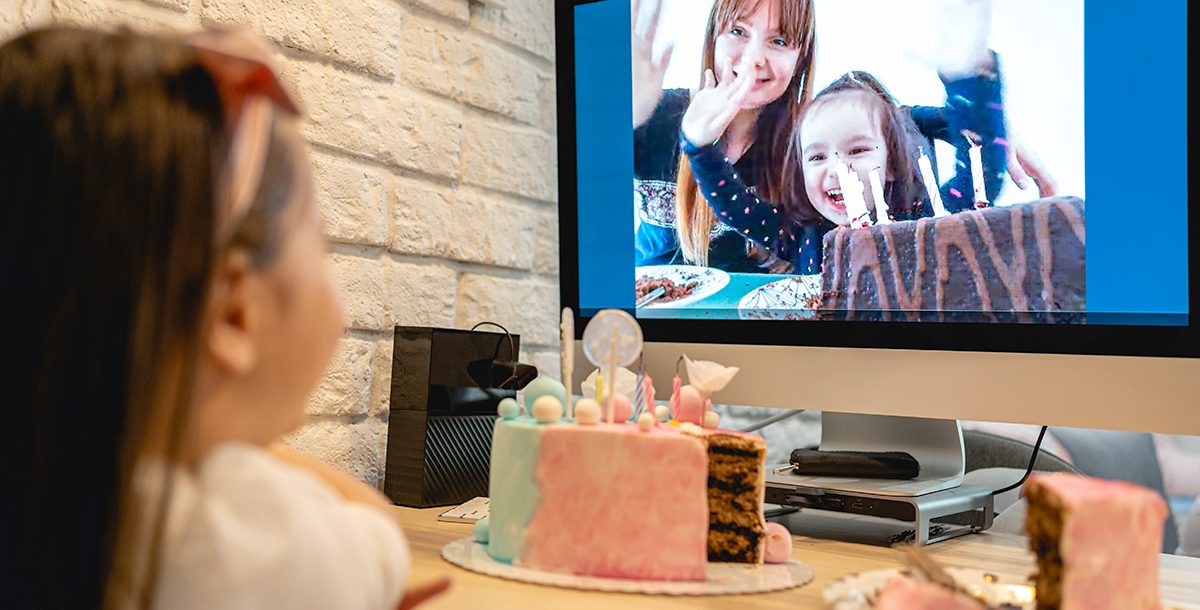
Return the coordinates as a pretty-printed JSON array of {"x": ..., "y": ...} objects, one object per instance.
[
  {"x": 231, "y": 341},
  {"x": 240, "y": 62}
]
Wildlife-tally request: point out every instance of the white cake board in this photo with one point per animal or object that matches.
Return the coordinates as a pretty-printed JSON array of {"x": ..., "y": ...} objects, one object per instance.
[{"x": 723, "y": 578}]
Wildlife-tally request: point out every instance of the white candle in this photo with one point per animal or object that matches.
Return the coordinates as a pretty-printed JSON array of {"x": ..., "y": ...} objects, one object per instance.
[
  {"x": 931, "y": 186},
  {"x": 976, "y": 155},
  {"x": 852, "y": 194},
  {"x": 567, "y": 355},
  {"x": 881, "y": 207}
]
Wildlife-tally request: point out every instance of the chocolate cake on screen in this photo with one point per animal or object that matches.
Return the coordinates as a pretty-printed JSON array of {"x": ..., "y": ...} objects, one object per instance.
[{"x": 1020, "y": 263}]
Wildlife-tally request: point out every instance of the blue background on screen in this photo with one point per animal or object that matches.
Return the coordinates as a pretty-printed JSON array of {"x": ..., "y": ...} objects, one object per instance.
[
  {"x": 604, "y": 154},
  {"x": 1135, "y": 70}
]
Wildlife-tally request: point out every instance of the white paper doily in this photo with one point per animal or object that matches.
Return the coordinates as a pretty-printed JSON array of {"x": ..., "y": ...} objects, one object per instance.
[{"x": 723, "y": 578}]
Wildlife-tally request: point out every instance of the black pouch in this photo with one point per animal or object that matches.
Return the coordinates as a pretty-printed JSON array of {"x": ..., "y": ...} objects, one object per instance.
[{"x": 856, "y": 464}]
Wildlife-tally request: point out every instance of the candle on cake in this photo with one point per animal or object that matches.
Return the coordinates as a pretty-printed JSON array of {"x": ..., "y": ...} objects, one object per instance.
[
  {"x": 567, "y": 355},
  {"x": 975, "y": 153},
  {"x": 931, "y": 185},
  {"x": 882, "y": 214},
  {"x": 852, "y": 194}
]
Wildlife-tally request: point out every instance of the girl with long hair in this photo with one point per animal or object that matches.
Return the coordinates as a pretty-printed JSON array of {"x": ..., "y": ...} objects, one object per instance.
[{"x": 164, "y": 258}]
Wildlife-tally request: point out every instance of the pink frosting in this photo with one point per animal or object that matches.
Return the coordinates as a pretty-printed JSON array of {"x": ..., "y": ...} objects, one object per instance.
[
  {"x": 904, "y": 593},
  {"x": 620, "y": 503},
  {"x": 1112, "y": 533}
]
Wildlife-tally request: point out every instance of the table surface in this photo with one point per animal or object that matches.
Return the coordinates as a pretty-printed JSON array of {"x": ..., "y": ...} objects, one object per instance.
[{"x": 994, "y": 552}]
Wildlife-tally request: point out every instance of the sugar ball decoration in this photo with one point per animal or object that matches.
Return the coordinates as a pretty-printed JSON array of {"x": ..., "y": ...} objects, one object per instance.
[
  {"x": 547, "y": 409},
  {"x": 711, "y": 420},
  {"x": 662, "y": 413},
  {"x": 508, "y": 408},
  {"x": 587, "y": 412},
  {"x": 778, "y": 548},
  {"x": 480, "y": 530},
  {"x": 645, "y": 422}
]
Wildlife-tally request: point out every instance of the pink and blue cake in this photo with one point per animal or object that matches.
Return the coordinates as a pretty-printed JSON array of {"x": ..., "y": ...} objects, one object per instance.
[{"x": 619, "y": 501}]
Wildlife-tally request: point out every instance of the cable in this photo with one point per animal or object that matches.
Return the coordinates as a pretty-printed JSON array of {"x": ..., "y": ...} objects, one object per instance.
[
  {"x": 771, "y": 420},
  {"x": 512, "y": 353},
  {"x": 1036, "y": 447}
]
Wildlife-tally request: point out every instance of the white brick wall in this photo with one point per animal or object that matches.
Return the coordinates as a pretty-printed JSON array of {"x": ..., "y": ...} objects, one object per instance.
[{"x": 432, "y": 130}]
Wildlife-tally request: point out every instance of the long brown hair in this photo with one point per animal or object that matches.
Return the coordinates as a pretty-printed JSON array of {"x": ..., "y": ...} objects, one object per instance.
[
  {"x": 903, "y": 190},
  {"x": 112, "y": 150},
  {"x": 694, "y": 219}
]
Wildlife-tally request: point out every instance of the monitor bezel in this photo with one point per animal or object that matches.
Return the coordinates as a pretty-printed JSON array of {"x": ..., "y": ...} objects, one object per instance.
[{"x": 1077, "y": 339}]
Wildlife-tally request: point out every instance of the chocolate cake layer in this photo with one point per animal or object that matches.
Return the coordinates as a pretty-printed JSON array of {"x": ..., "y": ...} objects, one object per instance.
[
  {"x": 735, "y": 495},
  {"x": 1020, "y": 263}
]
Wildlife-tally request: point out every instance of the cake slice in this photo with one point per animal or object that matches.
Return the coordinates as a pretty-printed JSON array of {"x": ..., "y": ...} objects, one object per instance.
[
  {"x": 736, "y": 479},
  {"x": 902, "y": 592},
  {"x": 1096, "y": 542}
]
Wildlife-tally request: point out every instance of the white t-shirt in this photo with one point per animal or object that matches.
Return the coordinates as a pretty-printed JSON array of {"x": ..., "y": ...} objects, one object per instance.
[{"x": 247, "y": 531}]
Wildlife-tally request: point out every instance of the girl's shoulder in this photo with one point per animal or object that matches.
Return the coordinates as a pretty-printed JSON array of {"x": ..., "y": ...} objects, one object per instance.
[{"x": 248, "y": 530}]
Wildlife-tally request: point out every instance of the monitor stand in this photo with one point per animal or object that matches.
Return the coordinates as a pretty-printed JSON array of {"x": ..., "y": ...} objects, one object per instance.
[
  {"x": 937, "y": 493},
  {"x": 937, "y": 444}
]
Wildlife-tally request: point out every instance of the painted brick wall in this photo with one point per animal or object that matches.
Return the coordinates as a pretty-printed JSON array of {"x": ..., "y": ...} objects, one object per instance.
[{"x": 432, "y": 130}]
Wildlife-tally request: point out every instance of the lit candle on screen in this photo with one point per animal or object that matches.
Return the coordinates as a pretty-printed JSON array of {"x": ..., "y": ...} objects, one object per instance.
[
  {"x": 976, "y": 155},
  {"x": 931, "y": 186},
  {"x": 881, "y": 207}
]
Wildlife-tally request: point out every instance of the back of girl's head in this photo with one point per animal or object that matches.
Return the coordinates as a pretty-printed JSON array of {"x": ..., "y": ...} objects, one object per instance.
[
  {"x": 903, "y": 191},
  {"x": 111, "y": 154}
]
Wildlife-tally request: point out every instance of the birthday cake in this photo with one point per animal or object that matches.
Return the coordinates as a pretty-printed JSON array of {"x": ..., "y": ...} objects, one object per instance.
[
  {"x": 1096, "y": 542},
  {"x": 1021, "y": 263},
  {"x": 622, "y": 500}
]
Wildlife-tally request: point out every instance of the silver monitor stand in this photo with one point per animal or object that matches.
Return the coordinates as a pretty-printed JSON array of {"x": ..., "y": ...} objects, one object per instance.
[
  {"x": 937, "y": 493},
  {"x": 937, "y": 444}
]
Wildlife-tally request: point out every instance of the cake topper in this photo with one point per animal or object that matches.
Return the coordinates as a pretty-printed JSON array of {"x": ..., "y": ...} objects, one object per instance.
[
  {"x": 613, "y": 339},
  {"x": 708, "y": 377}
]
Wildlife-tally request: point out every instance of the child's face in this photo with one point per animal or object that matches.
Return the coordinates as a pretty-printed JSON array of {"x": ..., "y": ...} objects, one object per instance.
[
  {"x": 304, "y": 319},
  {"x": 754, "y": 41},
  {"x": 839, "y": 128}
]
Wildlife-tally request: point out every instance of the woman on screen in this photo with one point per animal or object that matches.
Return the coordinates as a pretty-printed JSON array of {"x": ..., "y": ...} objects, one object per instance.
[{"x": 777, "y": 38}]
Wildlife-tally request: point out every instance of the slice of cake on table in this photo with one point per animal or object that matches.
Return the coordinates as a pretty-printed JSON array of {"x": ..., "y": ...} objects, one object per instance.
[
  {"x": 1096, "y": 542},
  {"x": 616, "y": 501},
  {"x": 902, "y": 592},
  {"x": 1020, "y": 263}
]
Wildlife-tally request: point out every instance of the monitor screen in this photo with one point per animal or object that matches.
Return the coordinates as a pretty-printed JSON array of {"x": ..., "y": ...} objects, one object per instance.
[{"x": 842, "y": 165}]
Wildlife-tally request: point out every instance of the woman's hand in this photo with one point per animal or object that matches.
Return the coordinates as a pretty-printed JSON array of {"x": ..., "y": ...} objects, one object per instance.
[
  {"x": 1024, "y": 165},
  {"x": 419, "y": 594},
  {"x": 715, "y": 105},
  {"x": 648, "y": 70}
]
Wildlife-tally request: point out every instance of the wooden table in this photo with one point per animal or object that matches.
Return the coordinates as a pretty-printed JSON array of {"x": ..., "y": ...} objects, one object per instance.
[{"x": 995, "y": 552}]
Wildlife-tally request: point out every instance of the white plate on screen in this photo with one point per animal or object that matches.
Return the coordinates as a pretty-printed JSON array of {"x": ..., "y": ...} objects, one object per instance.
[
  {"x": 792, "y": 298},
  {"x": 708, "y": 281},
  {"x": 858, "y": 591},
  {"x": 723, "y": 578}
]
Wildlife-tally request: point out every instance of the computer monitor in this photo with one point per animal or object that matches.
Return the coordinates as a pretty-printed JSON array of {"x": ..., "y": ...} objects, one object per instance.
[{"x": 1097, "y": 86}]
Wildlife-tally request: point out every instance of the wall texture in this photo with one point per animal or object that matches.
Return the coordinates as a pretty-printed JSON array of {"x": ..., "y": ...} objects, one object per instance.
[{"x": 432, "y": 131}]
